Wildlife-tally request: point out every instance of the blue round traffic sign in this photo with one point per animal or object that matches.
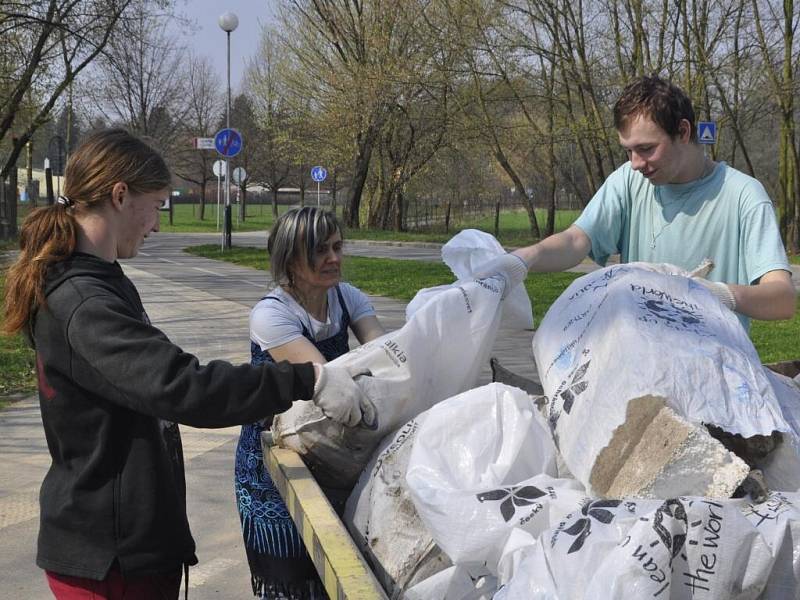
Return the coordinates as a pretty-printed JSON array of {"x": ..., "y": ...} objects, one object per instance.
[
  {"x": 319, "y": 174},
  {"x": 228, "y": 142}
]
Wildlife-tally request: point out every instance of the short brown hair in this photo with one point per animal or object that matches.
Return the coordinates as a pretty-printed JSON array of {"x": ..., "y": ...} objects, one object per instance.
[
  {"x": 294, "y": 237},
  {"x": 664, "y": 102}
]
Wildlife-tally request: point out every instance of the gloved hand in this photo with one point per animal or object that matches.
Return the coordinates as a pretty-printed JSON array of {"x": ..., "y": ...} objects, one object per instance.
[
  {"x": 340, "y": 398},
  {"x": 512, "y": 268},
  {"x": 721, "y": 291}
]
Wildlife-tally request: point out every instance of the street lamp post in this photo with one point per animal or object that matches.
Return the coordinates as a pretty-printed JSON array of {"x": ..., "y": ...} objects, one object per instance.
[{"x": 228, "y": 22}]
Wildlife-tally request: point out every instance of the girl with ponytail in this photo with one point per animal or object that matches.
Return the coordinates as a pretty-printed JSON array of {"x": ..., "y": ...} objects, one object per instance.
[{"x": 112, "y": 387}]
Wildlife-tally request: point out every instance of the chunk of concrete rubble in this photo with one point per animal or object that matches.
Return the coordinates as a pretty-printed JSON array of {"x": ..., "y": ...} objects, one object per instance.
[{"x": 657, "y": 454}]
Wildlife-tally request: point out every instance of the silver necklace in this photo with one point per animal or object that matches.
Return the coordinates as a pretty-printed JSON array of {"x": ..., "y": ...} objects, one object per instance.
[{"x": 683, "y": 199}]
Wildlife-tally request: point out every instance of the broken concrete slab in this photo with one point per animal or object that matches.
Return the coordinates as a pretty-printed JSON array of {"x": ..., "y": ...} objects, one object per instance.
[{"x": 657, "y": 454}]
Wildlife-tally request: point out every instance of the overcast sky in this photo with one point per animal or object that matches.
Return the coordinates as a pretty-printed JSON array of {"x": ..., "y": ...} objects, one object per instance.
[{"x": 205, "y": 37}]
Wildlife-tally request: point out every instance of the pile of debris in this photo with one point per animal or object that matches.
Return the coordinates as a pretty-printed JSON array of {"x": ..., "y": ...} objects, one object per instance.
[{"x": 617, "y": 482}]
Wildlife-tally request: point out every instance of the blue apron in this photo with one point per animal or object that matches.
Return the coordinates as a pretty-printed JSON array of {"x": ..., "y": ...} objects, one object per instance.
[{"x": 279, "y": 563}]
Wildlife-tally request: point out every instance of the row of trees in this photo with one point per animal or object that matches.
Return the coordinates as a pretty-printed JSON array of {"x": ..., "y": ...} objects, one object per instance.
[
  {"x": 413, "y": 99},
  {"x": 403, "y": 88}
]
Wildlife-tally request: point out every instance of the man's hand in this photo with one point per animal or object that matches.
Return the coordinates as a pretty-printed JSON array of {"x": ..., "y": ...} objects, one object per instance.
[
  {"x": 512, "y": 268},
  {"x": 340, "y": 398},
  {"x": 721, "y": 291}
]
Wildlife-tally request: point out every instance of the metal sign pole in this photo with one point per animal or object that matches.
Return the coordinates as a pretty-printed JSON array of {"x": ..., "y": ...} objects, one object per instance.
[
  {"x": 226, "y": 238},
  {"x": 318, "y": 194},
  {"x": 218, "y": 189}
]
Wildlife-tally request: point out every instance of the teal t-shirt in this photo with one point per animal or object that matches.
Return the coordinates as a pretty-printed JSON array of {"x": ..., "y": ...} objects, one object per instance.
[{"x": 726, "y": 216}]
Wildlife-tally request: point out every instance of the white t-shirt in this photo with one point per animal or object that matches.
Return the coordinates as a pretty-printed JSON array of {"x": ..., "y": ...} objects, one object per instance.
[{"x": 274, "y": 322}]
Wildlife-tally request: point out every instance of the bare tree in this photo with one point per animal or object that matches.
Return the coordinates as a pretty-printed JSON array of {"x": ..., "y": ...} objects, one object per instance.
[
  {"x": 776, "y": 42},
  {"x": 136, "y": 79},
  {"x": 264, "y": 80},
  {"x": 45, "y": 46},
  {"x": 204, "y": 105},
  {"x": 352, "y": 55}
]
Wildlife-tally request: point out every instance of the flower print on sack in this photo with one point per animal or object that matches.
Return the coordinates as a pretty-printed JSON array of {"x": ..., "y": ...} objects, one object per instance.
[
  {"x": 674, "y": 510},
  {"x": 582, "y": 528},
  {"x": 573, "y": 386},
  {"x": 512, "y": 497},
  {"x": 577, "y": 386}
]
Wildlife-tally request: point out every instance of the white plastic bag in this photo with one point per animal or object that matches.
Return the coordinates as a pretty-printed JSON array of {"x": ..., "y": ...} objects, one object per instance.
[
  {"x": 454, "y": 583},
  {"x": 681, "y": 548},
  {"x": 635, "y": 331},
  {"x": 438, "y": 353},
  {"x": 384, "y": 523},
  {"x": 482, "y": 464},
  {"x": 467, "y": 252}
]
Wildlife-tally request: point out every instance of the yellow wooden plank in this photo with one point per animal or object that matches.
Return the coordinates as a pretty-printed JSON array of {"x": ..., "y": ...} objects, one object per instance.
[{"x": 339, "y": 563}]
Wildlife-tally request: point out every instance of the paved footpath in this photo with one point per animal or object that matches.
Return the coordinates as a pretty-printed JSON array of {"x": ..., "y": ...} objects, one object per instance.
[{"x": 202, "y": 305}]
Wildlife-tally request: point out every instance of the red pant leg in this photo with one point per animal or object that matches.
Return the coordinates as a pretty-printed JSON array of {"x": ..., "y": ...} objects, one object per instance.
[{"x": 114, "y": 587}]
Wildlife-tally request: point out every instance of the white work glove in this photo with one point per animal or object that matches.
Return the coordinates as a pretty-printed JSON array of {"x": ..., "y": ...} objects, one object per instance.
[
  {"x": 340, "y": 398},
  {"x": 512, "y": 268},
  {"x": 721, "y": 291}
]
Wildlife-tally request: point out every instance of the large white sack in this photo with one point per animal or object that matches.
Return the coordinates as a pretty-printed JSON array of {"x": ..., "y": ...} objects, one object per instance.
[
  {"x": 482, "y": 464},
  {"x": 384, "y": 523},
  {"x": 682, "y": 548},
  {"x": 454, "y": 583},
  {"x": 638, "y": 330},
  {"x": 438, "y": 353},
  {"x": 465, "y": 254}
]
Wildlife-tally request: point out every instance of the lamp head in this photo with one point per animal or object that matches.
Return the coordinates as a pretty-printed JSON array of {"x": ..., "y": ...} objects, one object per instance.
[{"x": 228, "y": 21}]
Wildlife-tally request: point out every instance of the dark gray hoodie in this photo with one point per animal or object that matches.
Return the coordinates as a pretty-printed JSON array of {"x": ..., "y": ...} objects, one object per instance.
[{"x": 112, "y": 389}]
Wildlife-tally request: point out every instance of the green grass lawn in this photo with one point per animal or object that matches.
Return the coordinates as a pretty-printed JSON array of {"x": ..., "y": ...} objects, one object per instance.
[
  {"x": 514, "y": 226},
  {"x": 17, "y": 362},
  {"x": 401, "y": 279}
]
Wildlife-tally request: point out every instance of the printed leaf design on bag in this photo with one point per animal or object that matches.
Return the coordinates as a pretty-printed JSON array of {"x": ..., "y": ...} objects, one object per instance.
[
  {"x": 511, "y": 498},
  {"x": 582, "y": 528},
  {"x": 674, "y": 509},
  {"x": 576, "y": 387}
]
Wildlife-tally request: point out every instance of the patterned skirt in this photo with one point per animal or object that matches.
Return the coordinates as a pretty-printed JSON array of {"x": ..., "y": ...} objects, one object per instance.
[{"x": 279, "y": 563}]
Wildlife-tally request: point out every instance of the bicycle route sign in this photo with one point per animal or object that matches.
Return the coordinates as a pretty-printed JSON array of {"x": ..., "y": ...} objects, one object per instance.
[{"x": 228, "y": 142}]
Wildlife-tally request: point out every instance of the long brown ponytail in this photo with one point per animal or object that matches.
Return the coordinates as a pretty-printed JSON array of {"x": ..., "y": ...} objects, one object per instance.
[{"x": 49, "y": 234}]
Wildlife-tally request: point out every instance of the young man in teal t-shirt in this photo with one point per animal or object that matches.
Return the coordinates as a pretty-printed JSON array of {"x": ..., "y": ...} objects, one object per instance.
[{"x": 671, "y": 203}]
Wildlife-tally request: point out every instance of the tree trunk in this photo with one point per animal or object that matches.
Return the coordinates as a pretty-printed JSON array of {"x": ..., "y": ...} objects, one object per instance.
[
  {"x": 333, "y": 191},
  {"x": 520, "y": 193},
  {"x": 360, "y": 171},
  {"x": 203, "y": 200}
]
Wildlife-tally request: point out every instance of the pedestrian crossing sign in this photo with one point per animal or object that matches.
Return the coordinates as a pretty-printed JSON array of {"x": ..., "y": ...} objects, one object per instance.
[{"x": 707, "y": 132}]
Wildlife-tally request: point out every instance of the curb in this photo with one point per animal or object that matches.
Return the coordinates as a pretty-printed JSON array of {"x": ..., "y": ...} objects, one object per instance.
[
  {"x": 8, "y": 399},
  {"x": 395, "y": 243}
]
